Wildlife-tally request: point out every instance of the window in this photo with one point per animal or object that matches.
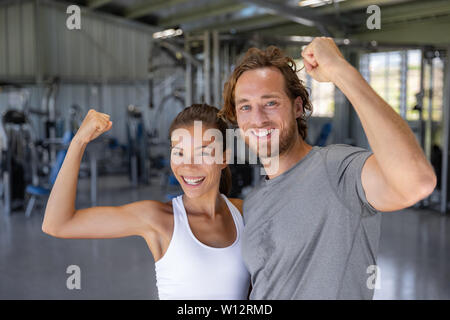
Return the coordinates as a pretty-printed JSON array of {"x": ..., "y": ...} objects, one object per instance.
[
  {"x": 321, "y": 93},
  {"x": 413, "y": 84},
  {"x": 383, "y": 70},
  {"x": 438, "y": 89}
]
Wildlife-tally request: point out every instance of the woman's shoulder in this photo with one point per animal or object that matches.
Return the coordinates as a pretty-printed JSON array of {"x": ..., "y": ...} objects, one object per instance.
[
  {"x": 155, "y": 213},
  {"x": 151, "y": 206}
]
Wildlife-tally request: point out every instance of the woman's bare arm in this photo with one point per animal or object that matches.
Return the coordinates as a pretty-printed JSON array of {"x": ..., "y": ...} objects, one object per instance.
[{"x": 63, "y": 220}]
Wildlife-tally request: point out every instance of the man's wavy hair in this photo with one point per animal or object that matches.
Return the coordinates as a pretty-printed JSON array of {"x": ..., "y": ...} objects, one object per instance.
[{"x": 271, "y": 57}]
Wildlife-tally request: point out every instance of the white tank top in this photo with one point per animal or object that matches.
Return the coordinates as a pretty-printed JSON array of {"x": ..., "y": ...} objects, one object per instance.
[{"x": 191, "y": 270}]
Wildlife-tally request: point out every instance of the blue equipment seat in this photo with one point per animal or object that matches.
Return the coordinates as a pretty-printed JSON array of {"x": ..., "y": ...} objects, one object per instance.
[
  {"x": 37, "y": 190},
  {"x": 44, "y": 190}
]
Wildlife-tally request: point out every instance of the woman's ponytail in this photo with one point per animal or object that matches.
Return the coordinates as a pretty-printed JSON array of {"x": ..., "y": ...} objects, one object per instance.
[{"x": 225, "y": 181}]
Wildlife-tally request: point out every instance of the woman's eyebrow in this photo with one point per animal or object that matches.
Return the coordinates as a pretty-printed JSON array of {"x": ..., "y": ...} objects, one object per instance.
[
  {"x": 205, "y": 146},
  {"x": 200, "y": 147}
]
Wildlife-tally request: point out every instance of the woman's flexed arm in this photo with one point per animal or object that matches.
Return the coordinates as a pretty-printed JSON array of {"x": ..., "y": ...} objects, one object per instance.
[{"x": 63, "y": 220}]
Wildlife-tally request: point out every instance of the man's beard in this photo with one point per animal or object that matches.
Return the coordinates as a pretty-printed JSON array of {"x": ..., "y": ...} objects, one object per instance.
[{"x": 286, "y": 140}]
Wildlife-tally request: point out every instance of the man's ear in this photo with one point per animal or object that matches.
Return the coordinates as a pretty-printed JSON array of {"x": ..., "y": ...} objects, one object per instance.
[{"x": 298, "y": 107}]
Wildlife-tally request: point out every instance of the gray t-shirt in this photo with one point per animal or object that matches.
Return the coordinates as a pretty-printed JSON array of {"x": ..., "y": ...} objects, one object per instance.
[{"x": 310, "y": 233}]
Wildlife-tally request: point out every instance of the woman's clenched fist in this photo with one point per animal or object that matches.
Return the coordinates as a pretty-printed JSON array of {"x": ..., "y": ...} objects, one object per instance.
[{"x": 94, "y": 124}]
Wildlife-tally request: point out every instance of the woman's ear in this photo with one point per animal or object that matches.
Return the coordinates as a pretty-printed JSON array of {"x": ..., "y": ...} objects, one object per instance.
[{"x": 298, "y": 107}]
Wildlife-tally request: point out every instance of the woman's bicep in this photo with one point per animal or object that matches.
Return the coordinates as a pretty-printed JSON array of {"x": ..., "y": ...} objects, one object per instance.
[{"x": 107, "y": 222}]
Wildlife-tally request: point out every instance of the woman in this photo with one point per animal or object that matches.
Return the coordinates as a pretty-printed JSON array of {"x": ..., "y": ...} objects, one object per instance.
[{"x": 194, "y": 239}]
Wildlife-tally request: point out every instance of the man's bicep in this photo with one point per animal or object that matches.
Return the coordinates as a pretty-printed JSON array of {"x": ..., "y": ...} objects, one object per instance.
[
  {"x": 379, "y": 194},
  {"x": 344, "y": 167}
]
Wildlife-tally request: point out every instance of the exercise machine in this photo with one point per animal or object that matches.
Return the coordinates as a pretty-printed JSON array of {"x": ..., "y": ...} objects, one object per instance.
[
  {"x": 43, "y": 190},
  {"x": 5, "y": 185},
  {"x": 19, "y": 163},
  {"x": 137, "y": 146}
]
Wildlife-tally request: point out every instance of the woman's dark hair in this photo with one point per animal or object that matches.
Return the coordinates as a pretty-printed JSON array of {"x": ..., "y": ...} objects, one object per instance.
[{"x": 208, "y": 116}]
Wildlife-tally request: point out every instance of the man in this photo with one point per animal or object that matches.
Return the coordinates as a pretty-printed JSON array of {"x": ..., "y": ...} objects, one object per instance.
[{"x": 312, "y": 227}]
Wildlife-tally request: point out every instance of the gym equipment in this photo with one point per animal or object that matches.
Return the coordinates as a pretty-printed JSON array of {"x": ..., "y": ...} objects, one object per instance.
[
  {"x": 19, "y": 163},
  {"x": 5, "y": 170},
  {"x": 38, "y": 191},
  {"x": 76, "y": 117},
  {"x": 137, "y": 146},
  {"x": 163, "y": 118},
  {"x": 48, "y": 104}
]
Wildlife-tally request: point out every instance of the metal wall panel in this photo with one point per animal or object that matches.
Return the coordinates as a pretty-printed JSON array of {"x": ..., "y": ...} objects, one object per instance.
[
  {"x": 14, "y": 49},
  {"x": 28, "y": 39},
  {"x": 105, "y": 49},
  {"x": 103, "y": 66},
  {"x": 17, "y": 49},
  {"x": 3, "y": 44}
]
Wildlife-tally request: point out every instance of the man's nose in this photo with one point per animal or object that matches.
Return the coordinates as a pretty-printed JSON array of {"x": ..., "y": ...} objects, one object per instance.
[{"x": 259, "y": 117}]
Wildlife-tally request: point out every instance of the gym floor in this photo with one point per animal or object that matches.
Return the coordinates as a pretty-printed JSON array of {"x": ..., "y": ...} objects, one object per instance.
[{"x": 413, "y": 258}]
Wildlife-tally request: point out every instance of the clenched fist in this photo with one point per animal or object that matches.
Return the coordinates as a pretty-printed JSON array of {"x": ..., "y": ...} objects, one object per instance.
[
  {"x": 94, "y": 124},
  {"x": 323, "y": 59}
]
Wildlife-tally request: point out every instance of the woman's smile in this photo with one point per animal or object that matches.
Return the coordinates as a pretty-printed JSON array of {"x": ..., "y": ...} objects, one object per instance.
[{"x": 193, "y": 181}]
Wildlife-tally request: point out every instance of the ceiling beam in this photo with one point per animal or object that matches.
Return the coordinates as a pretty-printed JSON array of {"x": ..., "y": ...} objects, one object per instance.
[
  {"x": 415, "y": 10},
  {"x": 93, "y": 4},
  {"x": 429, "y": 31},
  {"x": 146, "y": 8},
  {"x": 176, "y": 49},
  {"x": 401, "y": 13},
  {"x": 350, "y": 5},
  {"x": 301, "y": 15},
  {"x": 244, "y": 23},
  {"x": 290, "y": 29},
  {"x": 209, "y": 10}
]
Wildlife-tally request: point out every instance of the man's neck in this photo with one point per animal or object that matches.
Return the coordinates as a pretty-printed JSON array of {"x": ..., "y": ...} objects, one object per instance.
[{"x": 290, "y": 158}]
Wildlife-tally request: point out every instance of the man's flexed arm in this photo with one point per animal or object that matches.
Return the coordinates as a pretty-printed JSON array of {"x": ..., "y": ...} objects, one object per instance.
[{"x": 398, "y": 174}]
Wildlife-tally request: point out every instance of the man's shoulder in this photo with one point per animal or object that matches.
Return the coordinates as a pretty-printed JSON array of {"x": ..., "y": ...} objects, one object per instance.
[
  {"x": 340, "y": 152},
  {"x": 340, "y": 147}
]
